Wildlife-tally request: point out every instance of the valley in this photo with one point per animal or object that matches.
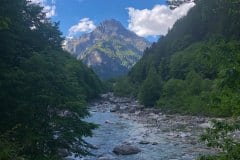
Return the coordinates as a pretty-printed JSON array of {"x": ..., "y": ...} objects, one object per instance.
[{"x": 94, "y": 88}]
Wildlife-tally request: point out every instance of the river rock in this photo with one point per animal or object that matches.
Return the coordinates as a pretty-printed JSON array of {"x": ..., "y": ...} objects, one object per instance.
[
  {"x": 144, "y": 142},
  {"x": 132, "y": 110},
  {"x": 106, "y": 157},
  {"x": 206, "y": 125},
  {"x": 153, "y": 116},
  {"x": 154, "y": 143},
  {"x": 126, "y": 149},
  {"x": 115, "y": 109},
  {"x": 109, "y": 122},
  {"x": 92, "y": 146},
  {"x": 183, "y": 135}
]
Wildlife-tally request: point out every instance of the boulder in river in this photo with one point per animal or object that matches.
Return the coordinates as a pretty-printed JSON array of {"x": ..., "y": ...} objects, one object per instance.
[
  {"x": 154, "y": 143},
  {"x": 109, "y": 122},
  {"x": 115, "y": 109},
  {"x": 144, "y": 142},
  {"x": 126, "y": 149}
]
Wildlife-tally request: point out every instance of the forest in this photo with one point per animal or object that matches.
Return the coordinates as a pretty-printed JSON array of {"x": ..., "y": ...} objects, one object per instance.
[
  {"x": 43, "y": 90},
  {"x": 195, "y": 69}
]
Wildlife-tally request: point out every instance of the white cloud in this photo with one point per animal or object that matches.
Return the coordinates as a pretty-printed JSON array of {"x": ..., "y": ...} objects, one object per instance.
[
  {"x": 36, "y": 1},
  {"x": 84, "y": 25},
  {"x": 156, "y": 21},
  {"x": 50, "y": 10},
  {"x": 49, "y": 7}
]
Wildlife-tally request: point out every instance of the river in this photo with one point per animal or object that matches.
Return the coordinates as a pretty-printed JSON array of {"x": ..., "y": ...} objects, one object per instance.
[{"x": 159, "y": 136}]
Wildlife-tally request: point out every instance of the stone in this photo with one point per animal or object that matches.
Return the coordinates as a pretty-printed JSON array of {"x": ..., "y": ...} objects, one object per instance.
[
  {"x": 93, "y": 146},
  {"x": 126, "y": 149},
  {"x": 193, "y": 143},
  {"x": 144, "y": 142},
  {"x": 109, "y": 122},
  {"x": 154, "y": 143},
  {"x": 106, "y": 157},
  {"x": 205, "y": 125},
  {"x": 153, "y": 116},
  {"x": 115, "y": 109},
  {"x": 132, "y": 110},
  {"x": 183, "y": 135}
]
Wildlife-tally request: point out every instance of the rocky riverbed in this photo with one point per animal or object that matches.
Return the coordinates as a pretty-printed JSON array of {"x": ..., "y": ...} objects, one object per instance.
[{"x": 128, "y": 131}]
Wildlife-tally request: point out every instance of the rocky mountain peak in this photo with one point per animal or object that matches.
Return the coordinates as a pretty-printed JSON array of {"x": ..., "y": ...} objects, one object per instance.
[
  {"x": 113, "y": 27},
  {"x": 111, "y": 23},
  {"x": 111, "y": 50}
]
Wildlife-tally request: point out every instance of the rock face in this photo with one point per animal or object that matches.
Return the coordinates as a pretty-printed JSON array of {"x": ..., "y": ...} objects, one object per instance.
[
  {"x": 126, "y": 149},
  {"x": 110, "y": 50}
]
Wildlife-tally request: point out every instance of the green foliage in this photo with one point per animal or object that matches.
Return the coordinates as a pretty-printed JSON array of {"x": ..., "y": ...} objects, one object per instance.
[
  {"x": 196, "y": 80},
  {"x": 221, "y": 136},
  {"x": 8, "y": 150},
  {"x": 150, "y": 89},
  {"x": 43, "y": 90},
  {"x": 4, "y": 23},
  {"x": 197, "y": 71},
  {"x": 118, "y": 49},
  {"x": 108, "y": 84},
  {"x": 197, "y": 63},
  {"x": 123, "y": 87},
  {"x": 186, "y": 96}
]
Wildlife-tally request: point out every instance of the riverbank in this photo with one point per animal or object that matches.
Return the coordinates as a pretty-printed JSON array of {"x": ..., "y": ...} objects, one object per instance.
[
  {"x": 177, "y": 126},
  {"x": 157, "y": 135}
]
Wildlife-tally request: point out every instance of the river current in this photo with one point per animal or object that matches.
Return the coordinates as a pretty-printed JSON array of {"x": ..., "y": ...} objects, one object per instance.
[{"x": 155, "y": 143}]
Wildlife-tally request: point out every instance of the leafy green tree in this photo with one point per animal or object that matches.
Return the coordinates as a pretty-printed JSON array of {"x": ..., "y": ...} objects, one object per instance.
[
  {"x": 221, "y": 137},
  {"x": 173, "y": 95},
  {"x": 150, "y": 90},
  {"x": 123, "y": 87},
  {"x": 43, "y": 90},
  {"x": 197, "y": 63}
]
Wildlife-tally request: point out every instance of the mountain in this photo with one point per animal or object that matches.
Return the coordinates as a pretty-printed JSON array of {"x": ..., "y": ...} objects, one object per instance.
[
  {"x": 195, "y": 68},
  {"x": 110, "y": 50}
]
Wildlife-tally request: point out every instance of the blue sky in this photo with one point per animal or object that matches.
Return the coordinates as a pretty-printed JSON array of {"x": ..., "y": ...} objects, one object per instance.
[
  {"x": 69, "y": 12},
  {"x": 147, "y": 18}
]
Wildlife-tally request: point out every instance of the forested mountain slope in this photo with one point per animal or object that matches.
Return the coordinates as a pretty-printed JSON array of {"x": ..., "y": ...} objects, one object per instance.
[
  {"x": 110, "y": 50},
  {"x": 195, "y": 68},
  {"x": 43, "y": 90}
]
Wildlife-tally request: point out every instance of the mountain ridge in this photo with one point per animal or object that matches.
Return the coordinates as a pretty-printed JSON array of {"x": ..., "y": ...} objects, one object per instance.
[{"x": 110, "y": 50}]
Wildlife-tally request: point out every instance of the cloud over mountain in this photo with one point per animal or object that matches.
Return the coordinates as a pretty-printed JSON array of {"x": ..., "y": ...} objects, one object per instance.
[{"x": 84, "y": 25}]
